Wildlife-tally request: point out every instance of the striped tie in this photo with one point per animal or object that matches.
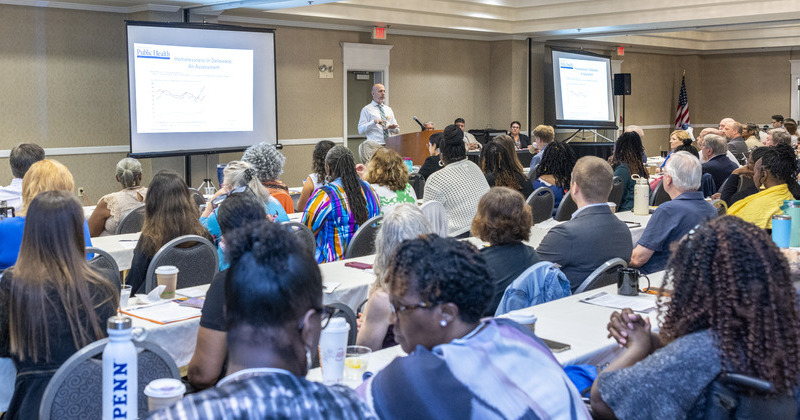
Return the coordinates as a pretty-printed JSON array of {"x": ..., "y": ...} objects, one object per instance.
[{"x": 383, "y": 118}]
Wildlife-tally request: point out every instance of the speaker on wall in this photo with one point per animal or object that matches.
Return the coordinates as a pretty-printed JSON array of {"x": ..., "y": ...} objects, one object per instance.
[{"x": 622, "y": 84}]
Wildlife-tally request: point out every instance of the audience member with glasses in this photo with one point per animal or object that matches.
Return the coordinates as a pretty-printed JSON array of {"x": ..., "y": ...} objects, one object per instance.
[{"x": 438, "y": 289}]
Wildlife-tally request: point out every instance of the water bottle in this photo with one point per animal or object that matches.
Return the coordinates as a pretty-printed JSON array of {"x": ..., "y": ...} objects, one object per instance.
[
  {"x": 641, "y": 196},
  {"x": 120, "y": 373}
]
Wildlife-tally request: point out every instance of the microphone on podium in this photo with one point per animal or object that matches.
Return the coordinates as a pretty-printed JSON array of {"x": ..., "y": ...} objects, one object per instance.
[{"x": 421, "y": 125}]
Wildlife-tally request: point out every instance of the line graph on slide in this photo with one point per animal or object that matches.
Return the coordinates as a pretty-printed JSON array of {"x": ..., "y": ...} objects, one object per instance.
[{"x": 178, "y": 101}]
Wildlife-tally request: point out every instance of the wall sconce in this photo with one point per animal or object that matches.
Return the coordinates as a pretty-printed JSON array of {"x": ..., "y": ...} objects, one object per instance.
[{"x": 325, "y": 69}]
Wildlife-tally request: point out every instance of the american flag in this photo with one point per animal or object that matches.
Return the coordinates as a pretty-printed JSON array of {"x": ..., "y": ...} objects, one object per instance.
[{"x": 682, "y": 115}]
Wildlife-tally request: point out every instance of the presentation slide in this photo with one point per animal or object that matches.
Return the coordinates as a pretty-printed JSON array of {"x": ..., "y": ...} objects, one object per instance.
[
  {"x": 189, "y": 89},
  {"x": 195, "y": 88},
  {"x": 583, "y": 93}
]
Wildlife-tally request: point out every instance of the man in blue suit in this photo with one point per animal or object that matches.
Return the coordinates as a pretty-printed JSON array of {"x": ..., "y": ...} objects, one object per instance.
[
  {"x": 593, "y": 235},
  {"x": 718, "y": 165}
]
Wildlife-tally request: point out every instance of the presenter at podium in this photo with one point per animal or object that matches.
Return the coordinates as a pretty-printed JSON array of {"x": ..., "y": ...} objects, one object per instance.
[{"x": 377, "y": 119}]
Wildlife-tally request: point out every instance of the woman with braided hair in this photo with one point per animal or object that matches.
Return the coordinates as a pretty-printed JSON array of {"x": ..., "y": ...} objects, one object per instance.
[
  {"x": 775, "y": 172},
  {"x": 731, "y": 309},
  {"x": 336, "y": 210},
  {"x": 627, "y": 160},
  {"x": 555, "y": 170}
]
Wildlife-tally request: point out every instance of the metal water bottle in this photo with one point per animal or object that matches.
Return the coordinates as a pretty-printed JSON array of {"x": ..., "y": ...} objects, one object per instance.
[
  {"x": 120, "y": 373},
  {"x": 641, "y": 196}
]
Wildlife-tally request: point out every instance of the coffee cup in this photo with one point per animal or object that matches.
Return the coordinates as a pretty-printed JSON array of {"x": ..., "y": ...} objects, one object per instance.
[
  {"x": 162, "y": 393},
  {"x": 628, "y": 282},
  {"x": 612, "y": 206},
  {"x": 333, "y": 350},
  {"x": 167, "y": 275},
  {"x": 525, "y": 319}
]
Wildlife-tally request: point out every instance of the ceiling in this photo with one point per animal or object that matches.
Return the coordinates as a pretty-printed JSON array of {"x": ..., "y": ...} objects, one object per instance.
[{"x": 690, "y": 26}]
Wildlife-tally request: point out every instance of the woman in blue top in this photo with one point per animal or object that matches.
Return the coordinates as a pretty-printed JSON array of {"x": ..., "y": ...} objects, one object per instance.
[
  {"x": 238, "y": 175},
  {"x": 44, "y": 175},
  {"x": 555, "y": 170},
  {"x": 627, "y": 160},
  {"x": 676, "y": 138}
]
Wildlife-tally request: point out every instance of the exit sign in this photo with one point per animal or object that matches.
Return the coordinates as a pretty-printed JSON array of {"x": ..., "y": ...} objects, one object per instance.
[{"x": 378, "y": 33}]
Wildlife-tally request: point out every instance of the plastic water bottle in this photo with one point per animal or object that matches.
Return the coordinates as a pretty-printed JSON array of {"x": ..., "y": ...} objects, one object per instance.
[{"x": 120, "y": 373}]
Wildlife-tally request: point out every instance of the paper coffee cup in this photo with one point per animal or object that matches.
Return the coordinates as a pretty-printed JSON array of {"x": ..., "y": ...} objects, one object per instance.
[
  {"x": 612, "y": 206},
  {"x": 162, "y": 393},
  {"x": 168, "y": 276},
  {"x": 527, "y": 320},
  {"x": 333, "y": 350}
]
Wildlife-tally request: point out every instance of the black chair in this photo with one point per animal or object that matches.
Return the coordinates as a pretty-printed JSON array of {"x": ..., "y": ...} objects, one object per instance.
[
  {"x": 602, "y": 276},
  {"x": 737, "y": 396},
  {"x": 103, "y": 261},
  {"x": 566, "y": 208},
  {"x": 76, "y": 389},
  {"x": 363, "y": 242},
  {"x": 132, "y": 221},
  {"x": 344, "y": 311},
  {"x": 541, "y": 202},
  {"x": 197, "y": 196},
  {"x": 303, "y": 233},
  {"x": 617, "y": 188},
  {"x": 196, "y": 264},
  {"x": 659, "y": 195},
  {"x": 417, "y": 182}
]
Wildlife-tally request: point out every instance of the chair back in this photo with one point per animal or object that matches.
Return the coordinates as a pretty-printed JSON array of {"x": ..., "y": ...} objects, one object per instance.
[
  {"x": 197, "y": 196},
  {"x": 363, "y": 242},
  {"x": 197, "y": 264},
  {"x": 417, "y": 182},
  {"x": 541, "y": 202},
  {"x": 721, "y": 206},
  {"x": 76, "y": 389},
  {"x": 437, "y": 217},
  {"x": 303, "y": 233},
  {"x": 737, "y": 396},
  {"x": 617, "y": 188},
  {"x": 103, "y": 261},
  {"x": 745, "y": 182},
  {"x": 602, "y": 276},
  {"x": 707, "y": 185},
  {"x": 659, "y": 195},
  {"x": 132, "y": 221},
  {"x": 566, "y": 208},
  {"x": 344, "y": 311}
]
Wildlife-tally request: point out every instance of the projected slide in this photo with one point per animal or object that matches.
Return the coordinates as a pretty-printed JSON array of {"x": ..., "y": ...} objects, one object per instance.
[
  {"x": 191, "y": 89},
  {"x": 584, "y": 89}
]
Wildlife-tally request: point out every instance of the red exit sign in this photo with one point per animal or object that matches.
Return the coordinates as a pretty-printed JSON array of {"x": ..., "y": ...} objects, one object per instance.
[{"x": 378, "y": 33}]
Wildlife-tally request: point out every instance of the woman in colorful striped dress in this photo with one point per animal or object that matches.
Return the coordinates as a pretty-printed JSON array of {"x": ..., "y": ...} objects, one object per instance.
[{"x": 335, "y": 211}]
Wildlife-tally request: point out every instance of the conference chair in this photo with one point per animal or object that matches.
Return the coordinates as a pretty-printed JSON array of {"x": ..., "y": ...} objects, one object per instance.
[
  {"x": 566, "y": 208},
  {"x": 197, "y": 196},
  {"x": 197, "y": 264},
  {"x": 132, "y": 221},
  {"x": 417, "y": 182},
  {"x": 721, "y": 206},
  {"x": 103, "y": 261},
  {"x": 602, "y": 276},
  {"x": 363, "y": 242},
  {"x": 437, "y": 216},
  {"x": 738, "y": 396},
  {"x": 617, "y": 188},
  {"x": 75, "y": 391},
  {"x": 707, "y": 185},
  {"x": 659, "y": 195},
  {"x": 343, "y": 311},
  {"x": 303, "y": 233},
  {"x": 541, "y": 202}
]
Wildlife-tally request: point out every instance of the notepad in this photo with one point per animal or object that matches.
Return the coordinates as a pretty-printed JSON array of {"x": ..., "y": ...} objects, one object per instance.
[
  {"x": 641, "y": 303},
  {"x": 164, "y": 313},
  {"x": 329, "y": 286}
]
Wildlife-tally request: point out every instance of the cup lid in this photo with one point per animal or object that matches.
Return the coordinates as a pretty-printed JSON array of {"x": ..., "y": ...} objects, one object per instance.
[
  {"x": 119, "y": 322},
  {"x": 522, "y": 318},
  {"x": 165, "y": 388},
  {"x": 337, "y": 325},
  {"x": 166, "y": 269}
]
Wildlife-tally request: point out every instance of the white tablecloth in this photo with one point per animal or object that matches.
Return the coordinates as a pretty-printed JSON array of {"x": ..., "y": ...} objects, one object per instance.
[
  {"x": 87, "y": 211},
  {"x": 119, "y": 246}
]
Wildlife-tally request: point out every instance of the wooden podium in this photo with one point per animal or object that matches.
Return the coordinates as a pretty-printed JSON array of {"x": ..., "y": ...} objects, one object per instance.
[{"x": 412, "y": 145}]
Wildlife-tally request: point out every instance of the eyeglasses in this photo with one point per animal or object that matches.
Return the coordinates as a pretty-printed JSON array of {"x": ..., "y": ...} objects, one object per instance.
[
  {"x": 217, "y": 201},
  {"x": 397, "y": 308},
  {"x": 326, "y": 313}
]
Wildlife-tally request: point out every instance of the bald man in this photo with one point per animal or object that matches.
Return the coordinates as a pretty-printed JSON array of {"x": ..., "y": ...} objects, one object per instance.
[{"x": 377, "y": 119}]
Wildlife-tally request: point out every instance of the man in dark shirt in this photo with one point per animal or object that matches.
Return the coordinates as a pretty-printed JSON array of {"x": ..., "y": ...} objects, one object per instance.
[
  {"x": 674, "y": 218},
  {"x": 593, "y": 235},
  {"x": 736, "y": 144},
  {"x": 718, "y": 165}
]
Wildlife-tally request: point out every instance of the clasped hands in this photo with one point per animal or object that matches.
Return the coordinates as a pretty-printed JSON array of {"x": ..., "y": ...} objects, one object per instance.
[{"x": 630, "y": 330}]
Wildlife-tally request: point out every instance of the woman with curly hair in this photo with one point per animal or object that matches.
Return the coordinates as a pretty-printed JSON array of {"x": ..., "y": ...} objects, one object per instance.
[
  {"x": 500, "y": 170},
  {"x": 627, "y": 160},
  {"x": 555, "y": 170},
  {"x": 775, "y": 172},
  {"x": 268, "y": 163},
  {"x": 439, "y": 288},
  {"x": 731, "y": 309},
  {"x": 316, "y": 178},
  {"x": 388, "y": 176},
  {"x": 504, "y": 220},
  {"x": 336, "y": 210}
]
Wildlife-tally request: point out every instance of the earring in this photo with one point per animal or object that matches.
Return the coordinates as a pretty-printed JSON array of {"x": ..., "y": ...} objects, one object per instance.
[
  {"x": 308, "y": 358},
  {"x": 441, "y": 163},
  {"x": 443, "y": 323}
]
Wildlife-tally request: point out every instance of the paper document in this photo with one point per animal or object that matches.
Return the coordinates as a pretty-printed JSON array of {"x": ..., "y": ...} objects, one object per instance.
[
  {"x": 128, "y": 243},
  {"x": 329, "y": 286},
  {"x": 641, "y": 303},
  {"x": 196, "y": 291},
  {"x": 164, "y": 313}
]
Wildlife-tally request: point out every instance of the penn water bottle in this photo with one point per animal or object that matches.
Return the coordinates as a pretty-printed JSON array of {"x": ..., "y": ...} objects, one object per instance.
[{"x": 120, "y": 373}]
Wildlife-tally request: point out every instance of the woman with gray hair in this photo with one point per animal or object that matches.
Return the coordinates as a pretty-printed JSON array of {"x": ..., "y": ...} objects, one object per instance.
[
  {"x": 239, "y": 177},
  {"x": 405, "y": 222},
  {"x": 366, "y": 150},
  {"x": 268, "y": 163},
  {"x": 112, "y": 207}
]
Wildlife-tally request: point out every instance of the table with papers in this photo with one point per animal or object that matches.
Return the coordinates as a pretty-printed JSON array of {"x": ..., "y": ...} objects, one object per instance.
[{"x": 119, "y": 246}]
